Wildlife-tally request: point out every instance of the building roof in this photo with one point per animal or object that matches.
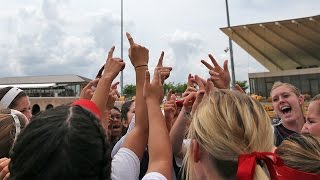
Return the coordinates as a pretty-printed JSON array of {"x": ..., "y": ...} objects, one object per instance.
[
  {"x": 57, "y": 79},
  {"x": 291, "y": 72},
  {"x": 281, "y": 45}
]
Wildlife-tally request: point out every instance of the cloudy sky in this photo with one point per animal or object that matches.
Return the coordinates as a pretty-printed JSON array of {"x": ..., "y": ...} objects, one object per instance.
[{"x": 49, "y": 37}]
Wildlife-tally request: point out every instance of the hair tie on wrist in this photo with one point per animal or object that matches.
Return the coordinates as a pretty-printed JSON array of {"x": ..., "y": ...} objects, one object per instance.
[{"x": 141, "y": 65}]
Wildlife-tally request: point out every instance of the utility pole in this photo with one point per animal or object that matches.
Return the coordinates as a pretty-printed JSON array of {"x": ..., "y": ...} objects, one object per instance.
[
  {"x": 121, "y": 74},
  {"x": 233, "y": 82}
]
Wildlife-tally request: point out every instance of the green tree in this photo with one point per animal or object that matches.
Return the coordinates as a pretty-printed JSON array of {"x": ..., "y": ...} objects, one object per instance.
[
  {"x": 129, "y": 90},
  {"x": 167, "y": 87},
  {"x": 180, "y": 87},
  {"x": 177, "y": 88},
  {"x": 243, "y": 85}
]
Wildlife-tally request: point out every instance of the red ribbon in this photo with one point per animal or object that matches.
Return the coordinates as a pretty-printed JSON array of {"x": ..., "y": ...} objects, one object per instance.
[
  {"x": 247, "y": 163},
  {"x": 91, "y": 106}
]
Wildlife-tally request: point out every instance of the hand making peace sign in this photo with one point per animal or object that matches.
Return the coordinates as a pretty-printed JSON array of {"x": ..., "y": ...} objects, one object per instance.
[{"x": 220, "y": 77}]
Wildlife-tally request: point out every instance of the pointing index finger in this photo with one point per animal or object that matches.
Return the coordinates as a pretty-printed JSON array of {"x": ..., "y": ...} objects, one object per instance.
[
  {"x": 110, "y": 54},
  {"x": 160, "y": 60},
  {"x": 130, "y": 39}
]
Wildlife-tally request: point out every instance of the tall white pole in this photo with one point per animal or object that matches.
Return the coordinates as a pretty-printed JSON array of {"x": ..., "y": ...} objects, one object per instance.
[
  {"x": 231, "y": 49},
  {"x": 121, "y": 75}
]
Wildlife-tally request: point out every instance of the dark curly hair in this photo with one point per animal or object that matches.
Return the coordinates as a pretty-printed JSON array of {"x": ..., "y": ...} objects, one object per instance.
[{"x": 66, "y": 142}]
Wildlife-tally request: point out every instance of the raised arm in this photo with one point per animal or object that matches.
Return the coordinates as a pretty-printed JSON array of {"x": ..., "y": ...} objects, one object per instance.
[
  {"x": 160, "y": 151},
  {"x": 170, "y": 109},
  {"x": 178, "y": 130},
  {"x": 137, "y": 139},
  {"x": 112, "y": 68}
]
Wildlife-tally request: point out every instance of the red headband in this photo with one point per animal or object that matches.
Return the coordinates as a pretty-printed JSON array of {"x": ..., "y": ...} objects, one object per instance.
[
  {"x": 247, "y": 163},
  {"x": 91, "y": 106}
]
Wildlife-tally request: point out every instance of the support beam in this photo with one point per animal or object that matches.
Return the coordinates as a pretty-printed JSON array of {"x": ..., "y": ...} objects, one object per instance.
[
  {"x": 298, "y": 46},
  {"x": 314, "y": 60},
  {"x": 256, "y": 53},
  {"x": 316, "y": 31},
  {"x": 310, "y": 32},
  {"x": 268, "y": 42}
]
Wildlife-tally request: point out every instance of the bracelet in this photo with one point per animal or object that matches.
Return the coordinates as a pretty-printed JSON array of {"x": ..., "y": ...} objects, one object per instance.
[{"x": 141, "y": 65}]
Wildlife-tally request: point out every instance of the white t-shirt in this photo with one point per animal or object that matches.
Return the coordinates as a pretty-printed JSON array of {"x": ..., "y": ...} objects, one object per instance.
[
  {"x": 125, "y": 165},
  {"x": 154, "y": 176}
]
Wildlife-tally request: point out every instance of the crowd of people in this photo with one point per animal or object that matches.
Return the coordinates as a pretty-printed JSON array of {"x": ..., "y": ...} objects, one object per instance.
[{"x": 213, "y": 132}]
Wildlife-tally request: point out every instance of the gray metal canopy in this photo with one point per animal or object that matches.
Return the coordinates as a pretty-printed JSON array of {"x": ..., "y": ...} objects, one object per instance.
[{"x": 281, "y": 45}]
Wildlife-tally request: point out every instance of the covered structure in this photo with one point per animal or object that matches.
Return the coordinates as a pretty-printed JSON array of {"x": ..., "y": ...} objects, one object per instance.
[
  {"x": 286, "y": 48},
  {"x": 48, "y": 91},
  {"x": 47, "y": 86}
]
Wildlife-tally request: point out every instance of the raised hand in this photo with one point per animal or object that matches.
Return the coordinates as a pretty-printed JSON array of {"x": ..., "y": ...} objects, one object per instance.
[
  {"x": 153, "y": 90},
  {"x": 200, "y": 93},
  {"x": 210, "y": 86},
  {"x": 190, "y": 86},
  {"x": 164, "y": 71},
  {"x": 113, "y": 95},
  {"x": 113, "y": 65},
  {"x": 193, "y": 99},
  {"x": 139, "y": 55},
  {"x": 220, "y": 77},
  {"x": 112, "y": 68},
  {"x": 88, "y": 90},
  {"x": 170, "y": 109}
]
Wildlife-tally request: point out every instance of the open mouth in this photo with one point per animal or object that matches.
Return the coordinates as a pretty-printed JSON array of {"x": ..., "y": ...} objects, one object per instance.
[
  {"x": 286, "y": 109},
  {"x": 116, "y": 126}
]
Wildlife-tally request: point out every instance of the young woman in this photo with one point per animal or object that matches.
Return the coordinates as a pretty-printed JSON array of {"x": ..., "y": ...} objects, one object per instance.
[
  {"x": 115, "y": 126},
  {"x": 312, "y": 125},
  {"x": 230, "y": 133},
  {"x": 66, "y": 142},
  {"x": 127, "y": 113},
  {"x": 287, "y": 102},
  {"x": 15, "y": 98},
  {"x": 301, "y": 156}
]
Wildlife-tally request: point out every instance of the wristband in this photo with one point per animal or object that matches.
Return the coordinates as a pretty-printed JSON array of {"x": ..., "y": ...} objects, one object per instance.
[{"x": 141, "y": 65}]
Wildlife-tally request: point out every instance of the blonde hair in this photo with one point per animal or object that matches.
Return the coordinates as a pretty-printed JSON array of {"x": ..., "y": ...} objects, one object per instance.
[
  {"x": 294, "y": 89},
  {"x": 227, "y": 124},
  {"x": 301, "y": 152},
  {"x": 8, "y": 130}
]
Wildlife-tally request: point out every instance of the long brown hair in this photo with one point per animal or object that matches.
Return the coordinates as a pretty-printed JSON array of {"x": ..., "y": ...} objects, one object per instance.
[
  {"x": 301, "y": 152},
  {"x": 8, "y": 130}
]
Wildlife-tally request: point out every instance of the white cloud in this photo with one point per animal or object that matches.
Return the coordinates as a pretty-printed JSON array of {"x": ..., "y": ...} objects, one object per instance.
[
  {"x": 63, "y": 37},
  {"x": 106, "y": 30},
  {"x": 40, "y": 41},
  {"x": 185, "y": 50}
]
